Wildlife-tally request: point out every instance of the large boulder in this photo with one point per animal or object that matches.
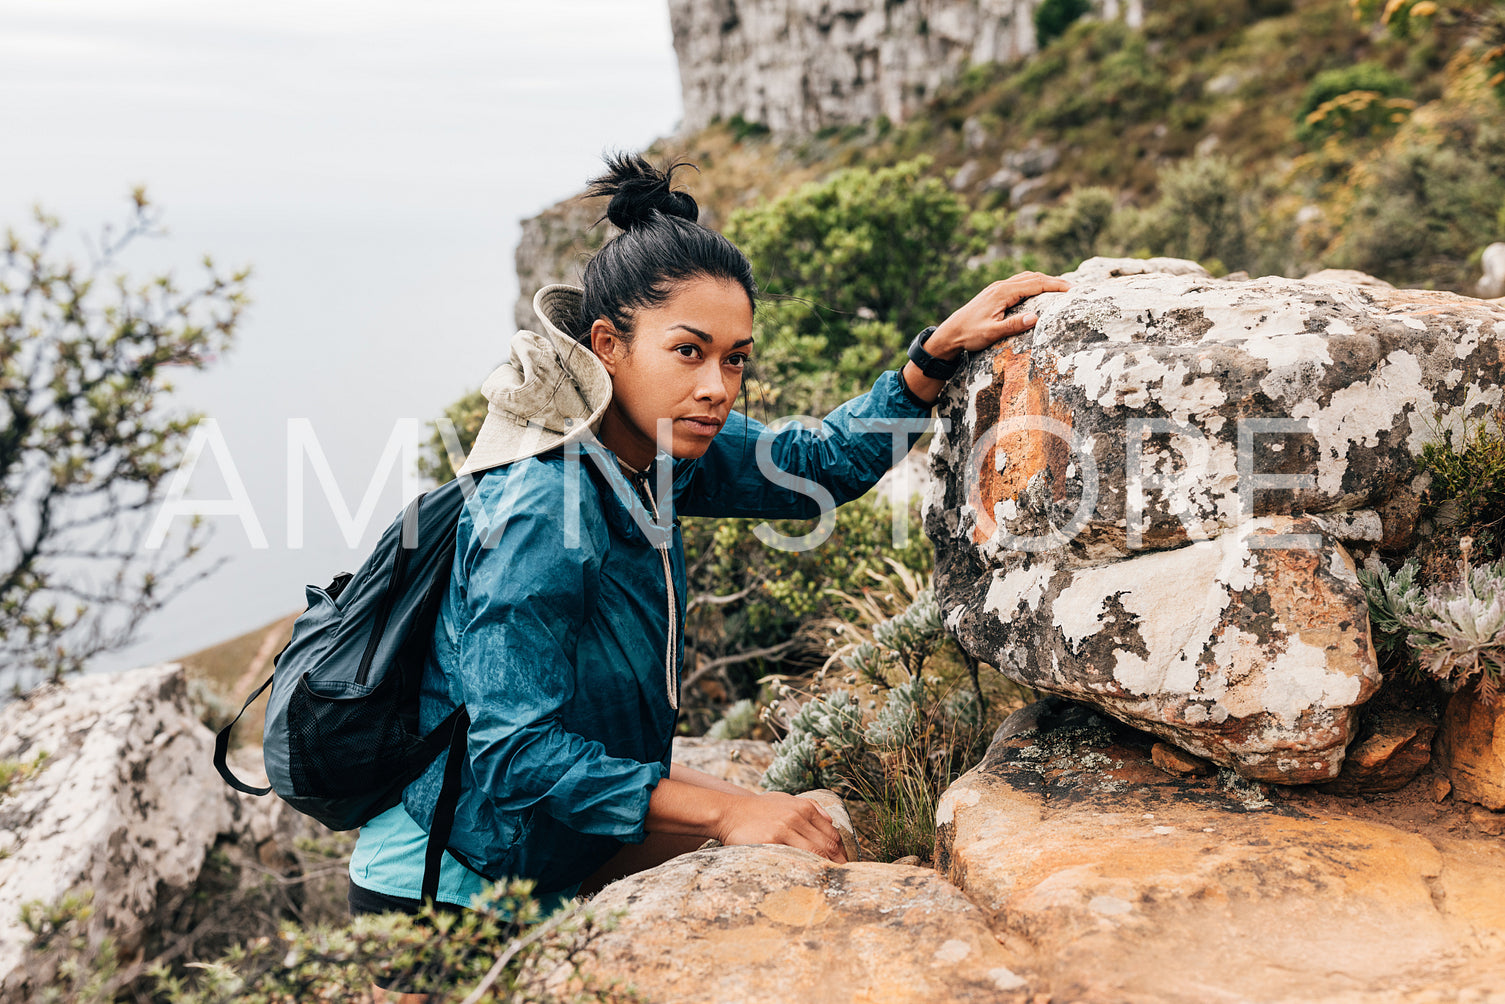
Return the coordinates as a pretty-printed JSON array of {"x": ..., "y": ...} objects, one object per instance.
[
  {"x": 120, "y": 805},
  {"x": 1108, "y": 879},
  {"x": 1155, "y": 500},
  {"x": 775, "y": 925}
]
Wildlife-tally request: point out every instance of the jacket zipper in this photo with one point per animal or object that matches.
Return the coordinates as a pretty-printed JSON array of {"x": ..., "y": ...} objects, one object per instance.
[{"x": 671, "y": 684}]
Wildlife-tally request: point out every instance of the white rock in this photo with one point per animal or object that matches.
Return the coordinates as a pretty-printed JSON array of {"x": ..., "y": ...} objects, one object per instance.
[
  {"x": 1492, "y": 282},
  {"x": 127, "y": 804},
  {"x": 800, "y": 65}
]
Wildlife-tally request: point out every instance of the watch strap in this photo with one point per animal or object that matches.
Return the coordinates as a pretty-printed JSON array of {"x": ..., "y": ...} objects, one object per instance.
[{"x": 936, "y": 369}]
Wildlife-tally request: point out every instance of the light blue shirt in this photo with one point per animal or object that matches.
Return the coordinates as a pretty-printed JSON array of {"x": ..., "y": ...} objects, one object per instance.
[{"x": 389, "y": 855}]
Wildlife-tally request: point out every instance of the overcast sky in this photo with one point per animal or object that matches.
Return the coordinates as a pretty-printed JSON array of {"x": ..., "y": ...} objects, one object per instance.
[{"x": 371, "y": 161}]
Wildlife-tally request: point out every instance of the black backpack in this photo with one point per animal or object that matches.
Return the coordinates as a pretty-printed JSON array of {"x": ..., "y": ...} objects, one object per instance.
[{"x": 342, "y": 740}]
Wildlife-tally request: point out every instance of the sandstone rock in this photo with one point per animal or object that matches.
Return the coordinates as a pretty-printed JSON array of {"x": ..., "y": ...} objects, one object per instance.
[
  {"x": 1026, "y": 188},
  {"x": 1108, "y": 880},
  {"x": 837, "y": 809},
  {"x": 1100, "y": 496},
  {"x": 740, "y": 761},
  {"x": 1398, "y": 745},
  {"x": 1096, "y": 269},
  {"x": 1351, "y": 276},
  {"x": 768, "y": 924},
  {"x": 965, "y": 175},
  {"x": 798, "y": 66},
  {"x": 1471, "y": 748},
  {"x": 1490, "y": 822},
  {"x": 1179, "y": 762},
  {"x": 1492, "y": 282},
  {"x": 1002, "y": 180}
]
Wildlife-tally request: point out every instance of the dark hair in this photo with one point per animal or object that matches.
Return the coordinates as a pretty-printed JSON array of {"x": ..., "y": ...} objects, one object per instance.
[{"x": 660, "y": 247}]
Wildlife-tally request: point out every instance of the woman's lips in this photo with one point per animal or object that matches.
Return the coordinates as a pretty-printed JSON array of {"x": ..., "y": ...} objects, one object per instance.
[{"x": 702, "y": 426}]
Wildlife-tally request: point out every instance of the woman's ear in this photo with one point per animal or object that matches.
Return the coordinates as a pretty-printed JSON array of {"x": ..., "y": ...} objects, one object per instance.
[{"x": 607, "y": 344}]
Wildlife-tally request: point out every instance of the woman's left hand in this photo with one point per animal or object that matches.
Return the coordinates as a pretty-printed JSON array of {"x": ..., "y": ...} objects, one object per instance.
[
  {"x": 978, "y": 324},
  {"x": 981, "y": 322}
]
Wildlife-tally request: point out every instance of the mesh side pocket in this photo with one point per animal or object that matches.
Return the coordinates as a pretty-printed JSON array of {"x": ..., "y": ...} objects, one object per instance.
[{"x": 347, "y": 747}]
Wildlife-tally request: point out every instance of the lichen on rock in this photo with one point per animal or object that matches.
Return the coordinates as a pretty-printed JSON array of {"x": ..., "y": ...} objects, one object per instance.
[{"x": 1156, "y": 500}]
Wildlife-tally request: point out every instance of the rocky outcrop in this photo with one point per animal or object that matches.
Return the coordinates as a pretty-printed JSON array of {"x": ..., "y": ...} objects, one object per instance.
[
  {"x": 1107, "y": 879},
  {"x": 1154, "y": 501},
  {"x": 768, "y": 924},
  {"x": 797, "y": 66},
  {"x": 126, "y": 807},
  {"x": 554, "y": 247},
  {"x": 1471, "y": 748}
]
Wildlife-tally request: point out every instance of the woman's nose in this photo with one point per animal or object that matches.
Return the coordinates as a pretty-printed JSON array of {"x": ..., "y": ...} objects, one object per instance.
[{"x": 712, "y": 388}]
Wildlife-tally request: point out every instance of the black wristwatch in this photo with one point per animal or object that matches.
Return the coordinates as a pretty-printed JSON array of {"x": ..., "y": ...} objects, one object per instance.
[{"x": 936, "y": 369}]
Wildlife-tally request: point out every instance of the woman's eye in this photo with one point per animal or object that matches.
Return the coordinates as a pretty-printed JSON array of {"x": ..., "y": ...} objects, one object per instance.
[
  {"x": 687, "y": 350},
  {"x": 738, "y": 359}
]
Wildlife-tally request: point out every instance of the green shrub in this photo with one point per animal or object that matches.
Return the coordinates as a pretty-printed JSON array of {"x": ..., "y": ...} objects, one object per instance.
[
  {"x": 853, "y": 267},
  {"x": 1426, "y": 206},
  {"x": 1352, "y": 102},
  {"x": 501, "y": 951},
  {"x": 1109, "y": 75},
  {"x": 465, "y": 417},
  {"x": 776, "y": 595},
  {"x": 1204, "y": 213},
  {"x": 1053, "y": 17},
  {"x": 1073, "y": 230},
  {"x": 1467, "y": 492},
  {"x": 742, "y": 129}
]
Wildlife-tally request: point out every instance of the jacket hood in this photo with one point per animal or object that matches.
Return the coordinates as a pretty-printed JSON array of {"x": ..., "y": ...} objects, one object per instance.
[{"x": 553, "y": 390}]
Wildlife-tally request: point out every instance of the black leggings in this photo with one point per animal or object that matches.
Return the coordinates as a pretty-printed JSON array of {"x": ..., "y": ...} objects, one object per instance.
[{"x": 363, "y": 901}]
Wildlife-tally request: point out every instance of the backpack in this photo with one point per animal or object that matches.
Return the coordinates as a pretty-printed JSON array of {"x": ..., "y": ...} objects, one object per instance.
[{"x": 342, "y": 739}]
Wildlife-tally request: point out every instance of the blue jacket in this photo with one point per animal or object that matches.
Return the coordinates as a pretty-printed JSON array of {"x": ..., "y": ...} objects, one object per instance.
[{"x": 564, "y": 639}]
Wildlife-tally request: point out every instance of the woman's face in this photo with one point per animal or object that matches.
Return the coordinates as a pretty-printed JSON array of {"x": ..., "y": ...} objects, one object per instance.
[{"x": 682, "y": 371}]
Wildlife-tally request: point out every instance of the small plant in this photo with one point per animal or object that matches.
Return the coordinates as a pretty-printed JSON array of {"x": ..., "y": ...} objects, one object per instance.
[
  {"x": 1457, "y": 629},
  {"x": 1391, "y": 599},
  {"x": 1468, "y": 482},
  {"x": 740, "y": 721},
  {"x": 73, "y": 968},
  {"x": 920, "y": 735},
  {"x": 13, "y": 772}
]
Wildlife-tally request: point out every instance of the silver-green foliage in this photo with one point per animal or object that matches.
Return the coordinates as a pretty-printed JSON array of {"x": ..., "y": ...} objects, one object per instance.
[
  {"x": 1456, "y": 628},
  {"x": 739, "y": 722},
  {"x": 914, "y": 634}
]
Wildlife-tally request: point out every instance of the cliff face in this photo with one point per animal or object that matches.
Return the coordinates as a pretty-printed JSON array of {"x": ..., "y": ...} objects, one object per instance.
[{"x": 797, "y": 66}]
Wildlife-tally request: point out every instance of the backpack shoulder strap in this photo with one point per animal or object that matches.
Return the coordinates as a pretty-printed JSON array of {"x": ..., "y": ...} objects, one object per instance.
[
  {"x": 222, "y": 747},
  {"x": 449, "y": 799}
]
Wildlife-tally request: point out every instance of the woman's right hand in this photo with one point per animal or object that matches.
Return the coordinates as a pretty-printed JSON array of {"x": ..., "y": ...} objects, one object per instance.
[{"x": 777, "y": 818}]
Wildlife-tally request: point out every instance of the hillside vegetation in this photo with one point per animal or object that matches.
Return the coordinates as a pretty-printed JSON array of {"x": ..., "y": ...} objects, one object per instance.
[{"x": 1273, "y": 136}]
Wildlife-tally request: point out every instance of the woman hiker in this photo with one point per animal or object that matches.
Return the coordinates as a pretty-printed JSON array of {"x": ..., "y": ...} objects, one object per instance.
[{"x": 561, "y": 631}]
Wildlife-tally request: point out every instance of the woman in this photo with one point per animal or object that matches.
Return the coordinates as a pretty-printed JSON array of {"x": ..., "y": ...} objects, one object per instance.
[{"x": 561, "y": 632}]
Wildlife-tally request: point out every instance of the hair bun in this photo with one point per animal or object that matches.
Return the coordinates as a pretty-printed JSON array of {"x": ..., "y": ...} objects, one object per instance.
[{"x": 638, "y": 190}]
